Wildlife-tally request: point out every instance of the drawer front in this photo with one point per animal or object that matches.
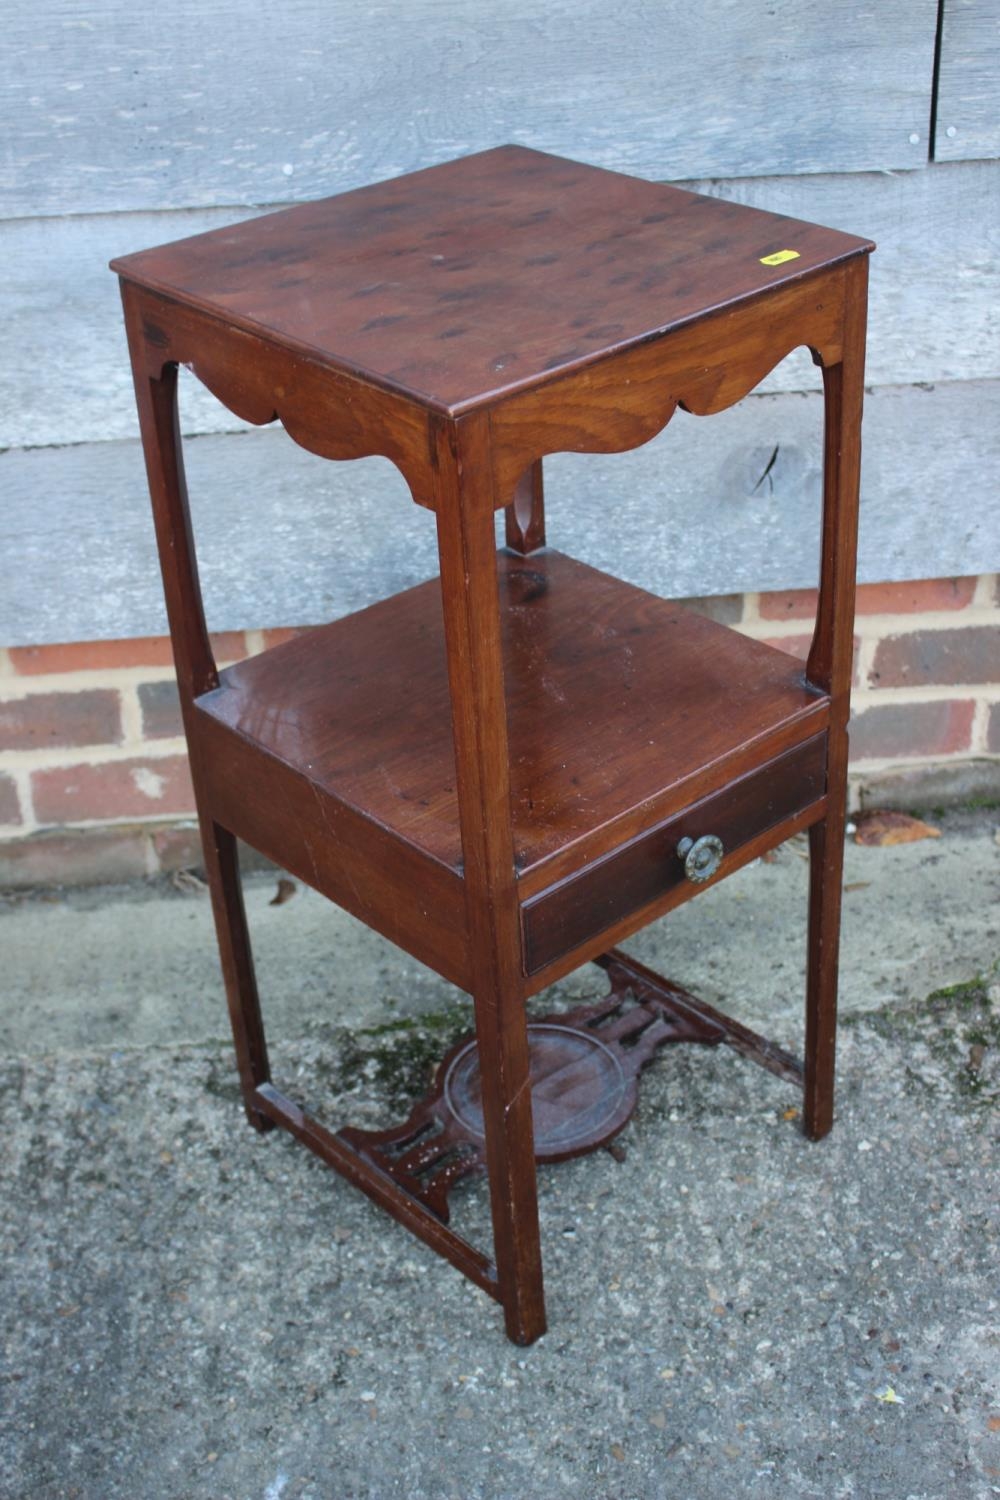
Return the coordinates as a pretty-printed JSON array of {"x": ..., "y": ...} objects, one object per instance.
[{"x": 649, "y": 866}]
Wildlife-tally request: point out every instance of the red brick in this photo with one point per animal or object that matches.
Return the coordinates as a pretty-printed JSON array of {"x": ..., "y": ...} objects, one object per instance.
[
  {"x": 282, "y": 633},
  {"x": 10, "y": 803},
  {"x": 798, "y": 645},
  {"x": 795, "y": 645},
  {"x": 928, "y": 658},
  {"x": 918, "y": 597},
  {"x": 153, "y": 787},
  {"x": 993, "y": 730},
  {"x": 161, "y": 710},
  {"x": 229, "y": 645},
  {"x": 92, "y": 656},
  {"x": 898, "y": 730},
  {"x": 790, "y": 604},
  {"x": 44, "y": 720},
  {"x": 106, "y": 656},
  {"x": 725, "y": 609}
]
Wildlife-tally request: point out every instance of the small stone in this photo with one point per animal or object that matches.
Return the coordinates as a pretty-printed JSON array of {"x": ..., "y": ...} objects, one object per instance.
[{"x": 367, "y": 1395}]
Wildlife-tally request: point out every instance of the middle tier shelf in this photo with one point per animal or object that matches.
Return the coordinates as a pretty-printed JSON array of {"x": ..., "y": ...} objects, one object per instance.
[{"x": 622, "y": 710}]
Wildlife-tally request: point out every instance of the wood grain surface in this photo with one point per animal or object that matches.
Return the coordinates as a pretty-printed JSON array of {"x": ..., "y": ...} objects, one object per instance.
[
  {"x": 593, "y": 670},
  {"x": 489, "y": 275}
]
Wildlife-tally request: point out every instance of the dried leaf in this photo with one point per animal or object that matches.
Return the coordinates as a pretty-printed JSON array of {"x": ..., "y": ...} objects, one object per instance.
[
  {"x": 884, "y": 829},
  {"x": 617, "y": 1451},
  {"x": 187, "y": 880},
  {"x": 993, "y": 1424},
  {"x": 858, "y": 885},
  {"x": 286, "y": 890}
]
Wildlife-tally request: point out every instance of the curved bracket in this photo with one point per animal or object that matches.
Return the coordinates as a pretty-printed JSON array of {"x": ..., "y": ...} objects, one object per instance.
[
  {"x": 625, "y": 400},
  {"x": 323, "y": 410},
  {"x": 725, "y": 387}
]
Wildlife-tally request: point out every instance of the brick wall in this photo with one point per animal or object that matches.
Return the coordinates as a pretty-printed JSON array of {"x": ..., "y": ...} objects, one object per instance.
[{"x": 94, "y": 781}]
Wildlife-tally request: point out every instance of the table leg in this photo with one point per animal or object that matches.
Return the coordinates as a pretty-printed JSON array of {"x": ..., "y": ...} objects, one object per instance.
[
  {"x": 502, "y": 1041},
  {"x": 826, "y": 851},
  {"x": 156, "y": 397},
  {"x": 471, "y": 607},
  {"x": 223, "y": 872},
  {"x": 830, "y": 667}
]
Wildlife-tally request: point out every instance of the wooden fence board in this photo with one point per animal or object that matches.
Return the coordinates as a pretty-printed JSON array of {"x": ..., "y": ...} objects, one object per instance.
[
  {"x": 968, "y": 109},
  {"x": 116, "y": 106},
  {"x": 288, "y": 538}
]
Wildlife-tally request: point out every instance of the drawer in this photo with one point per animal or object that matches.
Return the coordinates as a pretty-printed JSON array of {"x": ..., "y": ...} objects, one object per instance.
[{"x": 649, "y": 866}]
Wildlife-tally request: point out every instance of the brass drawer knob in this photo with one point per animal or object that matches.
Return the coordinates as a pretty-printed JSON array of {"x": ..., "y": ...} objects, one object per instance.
[{"x": 702, "y": 857}]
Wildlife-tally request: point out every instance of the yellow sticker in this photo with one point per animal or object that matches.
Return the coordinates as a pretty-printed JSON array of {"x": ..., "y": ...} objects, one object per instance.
[{"x": 779, "y": 257}]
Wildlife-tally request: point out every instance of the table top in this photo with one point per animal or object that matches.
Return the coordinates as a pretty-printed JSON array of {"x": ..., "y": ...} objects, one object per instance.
[{"x": 465, "y": 282}]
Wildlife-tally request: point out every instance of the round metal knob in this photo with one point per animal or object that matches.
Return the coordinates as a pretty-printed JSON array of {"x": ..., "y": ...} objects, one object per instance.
[{"x": 702, "y": 857}]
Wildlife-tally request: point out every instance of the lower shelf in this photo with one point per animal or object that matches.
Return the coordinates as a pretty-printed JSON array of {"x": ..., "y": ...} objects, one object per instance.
[
  {"x": 585, "y": 1069},
  {"x": 632, "y": 724}
]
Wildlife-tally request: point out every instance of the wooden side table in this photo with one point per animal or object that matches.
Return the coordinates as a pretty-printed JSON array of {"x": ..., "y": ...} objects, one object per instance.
[{"x": 510, "y": 768}]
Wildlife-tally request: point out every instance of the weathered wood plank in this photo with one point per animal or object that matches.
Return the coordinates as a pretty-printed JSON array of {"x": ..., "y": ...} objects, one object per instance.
[
  {"x": 65, "y": 375},
  {"x": 968, "y": 107},
  {"x": 118, "y": 107},
  {"x": 935, "y": 296},
  {"x": 288, "y": 538}
]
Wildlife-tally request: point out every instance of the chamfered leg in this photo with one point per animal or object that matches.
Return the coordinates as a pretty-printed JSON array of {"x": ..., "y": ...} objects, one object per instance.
[
  {"x": 826, "y": 859},
  {"x": 471, "y": 607},
  {"x": 502, "y": 1041},
  {"x": 223, "y": 872},
  {"x": 830, "y": 668},
  {"x": 156, "y": 398}
]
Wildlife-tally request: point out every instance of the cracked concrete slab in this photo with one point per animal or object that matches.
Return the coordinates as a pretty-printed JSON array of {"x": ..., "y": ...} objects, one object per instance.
[{"x": 193, "y": 1311}]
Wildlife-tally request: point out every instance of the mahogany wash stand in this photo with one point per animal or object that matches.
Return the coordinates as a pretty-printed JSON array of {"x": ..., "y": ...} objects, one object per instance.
[{"x": 514, "y": 766}]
